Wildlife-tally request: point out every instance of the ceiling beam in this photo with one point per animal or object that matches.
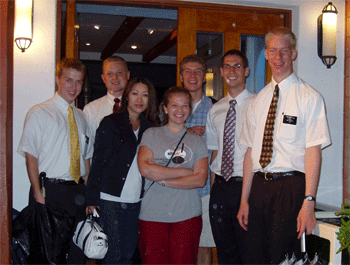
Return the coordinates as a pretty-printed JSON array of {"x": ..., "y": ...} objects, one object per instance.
[
  {"x": 161, "y": 47},
  {"x": 123, "y": 32}
]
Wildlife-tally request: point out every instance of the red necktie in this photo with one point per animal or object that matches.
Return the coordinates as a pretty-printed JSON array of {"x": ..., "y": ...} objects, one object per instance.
[{"x": 116, "y": 105}]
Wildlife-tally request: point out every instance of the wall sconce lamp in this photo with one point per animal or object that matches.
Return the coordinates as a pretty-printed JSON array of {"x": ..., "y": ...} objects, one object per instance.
[
  {"x": 327, "y": 35},
  {"x": 23, "y": 23}
]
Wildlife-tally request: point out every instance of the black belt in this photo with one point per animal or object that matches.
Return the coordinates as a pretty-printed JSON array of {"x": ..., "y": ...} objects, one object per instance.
[
  {"x": 61, "y": 181},
  {"x": 279, "y": 175},
  {"x": 219, "y": 179}
]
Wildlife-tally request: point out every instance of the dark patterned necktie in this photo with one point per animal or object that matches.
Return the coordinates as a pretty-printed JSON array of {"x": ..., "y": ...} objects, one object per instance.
[
  {"x": 267, "y": 145},
  {"x": 116, "y": 105},
  {"x": 229, "y": 142}
]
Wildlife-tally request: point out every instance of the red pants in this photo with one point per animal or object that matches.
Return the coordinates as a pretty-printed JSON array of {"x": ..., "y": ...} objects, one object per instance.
[{"x": 170, "y": 243}]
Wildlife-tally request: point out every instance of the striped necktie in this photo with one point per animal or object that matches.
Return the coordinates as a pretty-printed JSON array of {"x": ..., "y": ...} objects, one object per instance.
[
  {"x": 229, "y": 142},
  {"x": 267, "y": 145},
  {"x": 74, "y": 146}
]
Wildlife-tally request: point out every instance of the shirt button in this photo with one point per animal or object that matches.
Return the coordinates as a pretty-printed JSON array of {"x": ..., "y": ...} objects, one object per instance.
[
  {"x": 123, "y": 178},
  {"x": 128, "y": 165}
]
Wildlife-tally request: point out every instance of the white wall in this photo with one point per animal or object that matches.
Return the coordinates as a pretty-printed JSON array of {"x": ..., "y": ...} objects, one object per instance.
[
  {"x": 34, "y": 72},
  {"x": 34, "y": 83}
]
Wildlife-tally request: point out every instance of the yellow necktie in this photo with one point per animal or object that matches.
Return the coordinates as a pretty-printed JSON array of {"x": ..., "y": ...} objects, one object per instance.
[{"x": 74, "y": 146}]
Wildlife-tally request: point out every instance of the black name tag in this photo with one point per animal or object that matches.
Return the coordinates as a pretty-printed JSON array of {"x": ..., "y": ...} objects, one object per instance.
[{"x": 289, "y": 119}]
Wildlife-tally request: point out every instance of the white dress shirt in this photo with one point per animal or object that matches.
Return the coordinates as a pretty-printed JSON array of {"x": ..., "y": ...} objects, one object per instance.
[
  {"x": 298, "y": 103},
  {"x": 215, "y": 130},
  {"x": 46, "y": 137},
  {"x": 96, "y": 110}
]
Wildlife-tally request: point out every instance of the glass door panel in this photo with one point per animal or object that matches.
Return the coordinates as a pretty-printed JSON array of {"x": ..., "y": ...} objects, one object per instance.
[
  {"x": 210, "y": 47},
  {"x": 254, "y": 47}
]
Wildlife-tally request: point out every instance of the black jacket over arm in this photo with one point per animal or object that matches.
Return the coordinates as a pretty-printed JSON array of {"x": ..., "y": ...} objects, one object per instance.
[{"x": 114, "y": 150}]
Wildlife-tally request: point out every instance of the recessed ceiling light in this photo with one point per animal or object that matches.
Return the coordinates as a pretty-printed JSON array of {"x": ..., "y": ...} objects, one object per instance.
[
  {"x": 134, "y": 47},
  {"x": 88, "y": 44},
  {"x": 97, "y": 26}
]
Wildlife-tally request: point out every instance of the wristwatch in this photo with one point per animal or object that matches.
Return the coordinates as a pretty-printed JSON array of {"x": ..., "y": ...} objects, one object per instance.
[
  {"x": 163, "y": 183},
  {"x": 310, "y": 198}
]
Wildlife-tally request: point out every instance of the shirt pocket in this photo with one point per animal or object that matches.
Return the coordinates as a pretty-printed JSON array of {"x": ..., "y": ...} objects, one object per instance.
[{"x": 291, "y": 133}]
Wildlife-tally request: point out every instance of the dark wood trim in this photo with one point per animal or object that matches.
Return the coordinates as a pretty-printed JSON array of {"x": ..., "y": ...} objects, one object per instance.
[
  {"x": 70, "y": 30},
  {"x": 59, "y": 31},
  {"x": 6, "y": 106},
  {"x": 173, "y": 4},
  {"x": 346, "y": 116},
  {"x": 161, "y": 47},
  {"x": 123, "y": 32}
]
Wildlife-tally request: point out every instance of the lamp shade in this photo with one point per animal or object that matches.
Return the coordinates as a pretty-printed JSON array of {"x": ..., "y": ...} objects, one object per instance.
[
  {"x": 23, "y": 23},
  {"x": 327, "y": 35}
]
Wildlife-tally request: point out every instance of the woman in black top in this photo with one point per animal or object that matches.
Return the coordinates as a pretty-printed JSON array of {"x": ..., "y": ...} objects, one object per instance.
[{"x": 114, "y": 183}]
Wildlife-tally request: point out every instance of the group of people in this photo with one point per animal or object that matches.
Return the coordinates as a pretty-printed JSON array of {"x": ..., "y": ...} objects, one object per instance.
[{"x": 240, "y": 174}]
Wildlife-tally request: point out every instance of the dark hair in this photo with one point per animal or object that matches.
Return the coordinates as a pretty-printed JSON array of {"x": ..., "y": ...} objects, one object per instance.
[
  {"x": 151, "y": 112},
  {"x": 238, "y": 53},
  {"x": 282, "y": 31},
  {"x": 66, "y": 63},
  {"x": 114, "y": 59},
  {"x": 168, "y": 94},
  {"x": 193, "y": 58}
]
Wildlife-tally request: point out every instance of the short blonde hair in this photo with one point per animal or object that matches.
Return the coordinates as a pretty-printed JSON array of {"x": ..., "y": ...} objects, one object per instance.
[
  {"x": 282, "y": 31},
  {"x": 114, "y": 59}
]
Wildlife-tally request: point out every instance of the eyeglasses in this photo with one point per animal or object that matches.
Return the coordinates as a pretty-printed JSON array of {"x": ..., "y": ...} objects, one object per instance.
[{"x": 235, "y": 66}]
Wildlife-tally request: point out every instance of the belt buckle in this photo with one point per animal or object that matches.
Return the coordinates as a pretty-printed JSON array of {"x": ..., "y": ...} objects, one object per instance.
[{"x": 266, "y": 177}]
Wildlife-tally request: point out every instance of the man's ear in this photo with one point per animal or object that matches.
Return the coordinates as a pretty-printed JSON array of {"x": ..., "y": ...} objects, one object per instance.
[
  {"x": 246, "y": 71},
  {"x": 294, "y": 54},
  {"x": 57, "y": 79}
]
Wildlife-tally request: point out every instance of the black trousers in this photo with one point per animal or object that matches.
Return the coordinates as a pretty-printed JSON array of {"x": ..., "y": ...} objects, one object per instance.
[
  {"x": 68, "y": 199},
  {"x": 274, "y": 206},
  {"x": 229, "y": 236}
]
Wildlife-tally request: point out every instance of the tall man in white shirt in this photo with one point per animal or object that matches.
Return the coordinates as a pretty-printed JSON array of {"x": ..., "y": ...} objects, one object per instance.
[
  {"x": 279, "y": 188},
  {"x": 115, "y": 75},
  {"x": 192, "y": 75},
  {"x": 47, "y": 146},
  {"x": 227, "y": 169}
]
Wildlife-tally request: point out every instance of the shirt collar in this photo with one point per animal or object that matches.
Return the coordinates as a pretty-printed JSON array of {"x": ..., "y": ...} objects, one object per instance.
[
  {"x": 240, "y": 98},
  {"x": 61, "y": 103},
  {"x": 111, "y": 98},
  {"x": 285, "y": 83}
]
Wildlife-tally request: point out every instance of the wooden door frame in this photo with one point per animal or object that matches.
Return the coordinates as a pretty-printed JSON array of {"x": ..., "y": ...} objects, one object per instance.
[{"x": 6, "y": 108}]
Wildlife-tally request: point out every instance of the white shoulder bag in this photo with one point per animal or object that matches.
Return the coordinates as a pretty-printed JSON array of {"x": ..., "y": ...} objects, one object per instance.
[{"x": 89, "y": 237}]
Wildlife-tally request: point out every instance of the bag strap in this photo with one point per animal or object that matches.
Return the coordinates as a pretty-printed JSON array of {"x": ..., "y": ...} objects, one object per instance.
[
  {"x": 92, "y": 218},
  {"x": 89, "y": 216},
  {"x": 177, "y": 146}
]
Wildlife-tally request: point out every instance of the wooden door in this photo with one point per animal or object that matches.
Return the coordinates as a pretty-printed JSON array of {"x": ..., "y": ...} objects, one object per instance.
[{"x": 250, "y": 21}]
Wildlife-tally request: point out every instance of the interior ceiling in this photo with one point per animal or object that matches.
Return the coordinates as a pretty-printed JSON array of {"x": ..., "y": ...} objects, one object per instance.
[
  {"x": 138, "y": 34},
  {"x": 122, "y": 27}
]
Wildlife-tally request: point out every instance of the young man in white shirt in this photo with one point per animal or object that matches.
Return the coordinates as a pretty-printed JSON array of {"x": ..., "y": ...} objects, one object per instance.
[
  {"x": 226, "y": 189},
  {"x": 47, "y": 147},
  {"x": 278, "y": 196},
  {"x": 115, "y": 75}
]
